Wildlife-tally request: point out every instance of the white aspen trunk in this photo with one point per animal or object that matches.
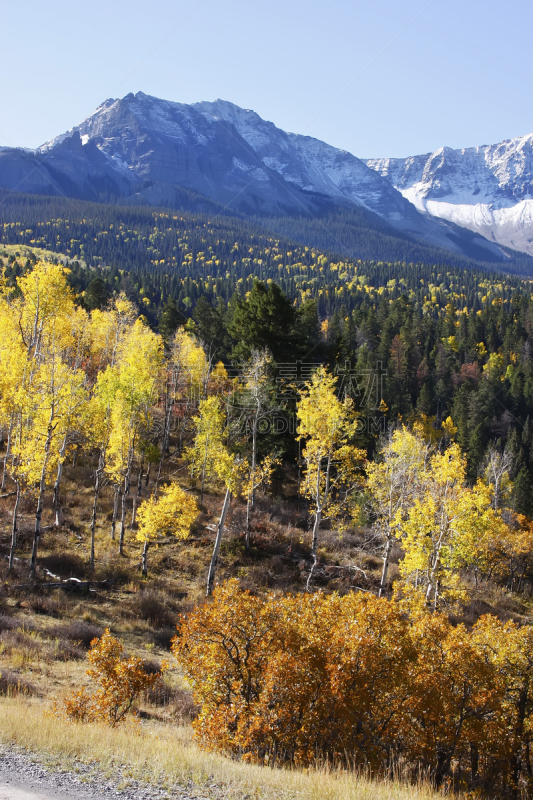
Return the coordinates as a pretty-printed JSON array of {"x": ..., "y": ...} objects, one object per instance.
[
  {"x": 145, "y": 559},
  {"x": 254, "y": 455},
  {"x": 56, "y": 505},
  {"x": 248, "y": 523},
  {"x": 386, "y": 556},
  {"x": 115, "y": 511},
  {"x": 432, "y": 588},
  {"x": 316, "y": 526},
  {"x": 158, "y": 476},
  {"x": 171, "y": 399},
  {"x": 97, "y": 477},
  {"x": 203, "y": 471},
  {"x": 250, "y": 500},
  {"x": 138, "y": 494},
  {"x": 214, "y": 557},
  {"x": 133, "y": 511},
  {"x": 39, "y": 511},
  {"x": 14, "y": 528},
  {"x": 314, "y": 546},
  {"x": 125, "y": 494},
  {"x": 140, "y": 477},
  {"x": 496, "y": 498},
  {"x": 8, "y": 451},
  {"x": 320, "y": 504}
]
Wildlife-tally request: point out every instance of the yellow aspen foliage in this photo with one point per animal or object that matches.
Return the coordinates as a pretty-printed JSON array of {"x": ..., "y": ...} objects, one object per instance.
[
  {"x": 189, "y": 358},
  {"x": 131, "y": 388},
  {"x": 45, "y": 299},
  {"x": 109, "y": 328},
  {"x": 262, "y": 475},
  {"x": 55, "y": 398},
  {"x": 447, "y": 527},
  {"x": 207, "y": 455},
  {"x": 171, "y": 513},
  {"x": 332, "y": 464}
]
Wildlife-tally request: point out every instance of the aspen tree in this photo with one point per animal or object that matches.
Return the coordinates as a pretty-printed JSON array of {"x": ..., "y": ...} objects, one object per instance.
[
  {"x": 257, "y": 400},
  {"x": 133, "y": 381},
  {"x": 497, "y": 471},
  {"x": 14, "y": 373},
  {"x": 326, "y": 426},
  {"x": 99, "y": 432},
  {"x": 185, "y": 380},
  {"x": 393, "y": 482},
  {"x": 109, "y": 328},
  {"x": 447, "y": 526},
  {"x": 55, "y": 391},
  {"x": 45, "y": 306},
  {"x": 208, "y": 444},
  {"x": 170, "y": 514},
  {"x": 75, "y": 349}
]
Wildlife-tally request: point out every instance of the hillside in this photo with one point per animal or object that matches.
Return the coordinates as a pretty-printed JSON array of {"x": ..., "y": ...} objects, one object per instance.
[{"x": 385, "y": 370}]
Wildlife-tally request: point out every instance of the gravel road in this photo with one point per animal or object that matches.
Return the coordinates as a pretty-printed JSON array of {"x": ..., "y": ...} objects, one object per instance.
[{"x": 23, "y": 776}]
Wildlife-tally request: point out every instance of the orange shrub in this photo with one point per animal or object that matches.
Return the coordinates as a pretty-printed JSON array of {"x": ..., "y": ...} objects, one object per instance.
[
  {"x": 121, "y": 682},
  {"x": 353, "y": 679}
]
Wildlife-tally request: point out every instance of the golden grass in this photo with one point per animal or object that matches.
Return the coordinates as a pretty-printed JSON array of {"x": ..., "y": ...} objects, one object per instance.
[{"x": 168, "y": 755}]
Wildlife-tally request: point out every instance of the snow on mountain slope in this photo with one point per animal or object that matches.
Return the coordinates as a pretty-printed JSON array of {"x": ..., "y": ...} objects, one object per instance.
[
  {"x": 487, "y": 189},
  {"x": 233, "y": 156},
  {"x": 179, "y": 143},
  {"x": 310, "y": 164},
  {"x": 141, "y": 149}
]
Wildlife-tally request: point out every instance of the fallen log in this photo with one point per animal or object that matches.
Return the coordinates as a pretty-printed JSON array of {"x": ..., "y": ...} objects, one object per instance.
[{"x": 70, "y": 584}]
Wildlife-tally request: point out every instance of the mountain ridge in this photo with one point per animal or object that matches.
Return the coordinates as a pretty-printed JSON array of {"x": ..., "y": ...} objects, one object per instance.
[{"x": 143, "y": 150}]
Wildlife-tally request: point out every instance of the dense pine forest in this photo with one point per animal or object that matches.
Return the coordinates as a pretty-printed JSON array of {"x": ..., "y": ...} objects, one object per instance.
[{"x": 337, "y": 452}]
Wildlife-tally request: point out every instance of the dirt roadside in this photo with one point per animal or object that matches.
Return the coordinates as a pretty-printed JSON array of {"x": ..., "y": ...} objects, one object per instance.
[{"x": 24, "y": 776}]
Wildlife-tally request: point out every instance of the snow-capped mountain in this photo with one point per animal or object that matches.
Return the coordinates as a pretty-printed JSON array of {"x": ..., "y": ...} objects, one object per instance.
[
  {"x": 140, "y": 149},
  {"x": 230, "y": 155},
  {"x": 487, "y": 189}
]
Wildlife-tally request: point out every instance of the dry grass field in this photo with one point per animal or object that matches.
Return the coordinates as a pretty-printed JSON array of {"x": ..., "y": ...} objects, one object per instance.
[{"x": 166, "y": 755}]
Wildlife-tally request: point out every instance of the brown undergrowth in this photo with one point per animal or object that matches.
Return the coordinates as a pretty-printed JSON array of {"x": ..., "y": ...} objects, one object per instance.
[{"x": 45, "y": 633}]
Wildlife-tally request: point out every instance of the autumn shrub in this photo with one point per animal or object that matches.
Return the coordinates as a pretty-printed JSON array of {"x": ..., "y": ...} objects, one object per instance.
[
  {"x": 7, "y": 623},
  {"x": 13, "y": 684},
  {"x": 355, "y": 680},
  {"x": 78, "y": 631},
  {"x": 153, "y": 606},
  {"x": 121, "y": 682}
]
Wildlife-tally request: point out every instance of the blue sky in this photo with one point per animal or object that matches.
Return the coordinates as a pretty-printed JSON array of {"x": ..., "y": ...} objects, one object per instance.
[{"x": 377, "y": 78}]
